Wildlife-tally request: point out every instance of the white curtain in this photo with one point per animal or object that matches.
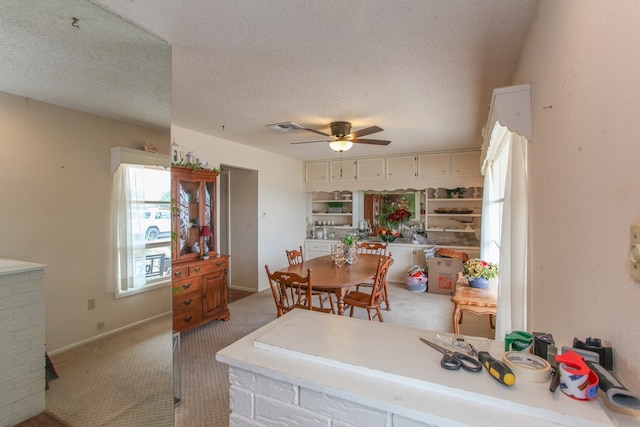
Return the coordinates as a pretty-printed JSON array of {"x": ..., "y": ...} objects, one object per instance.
[
  {"x": 128, "y": 227},
  {"x": 504, "y": 227}
]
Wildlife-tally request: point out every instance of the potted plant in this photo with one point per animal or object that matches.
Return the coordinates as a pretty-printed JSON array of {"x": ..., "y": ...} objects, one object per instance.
[
  {"x": 478, "y": 272},
  {"x": 350, "y": 252},
  {"x": 349, "y": 241},
  {"x": 458, "y": 191}
]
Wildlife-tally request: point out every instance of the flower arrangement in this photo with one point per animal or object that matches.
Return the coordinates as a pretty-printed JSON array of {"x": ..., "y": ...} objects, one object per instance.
[
  {"x": 394, "y": 212},
  {"x": 477, "y": 268},
  {"x": 388, "y": 235},
  {"x": 398, "y": 215}
]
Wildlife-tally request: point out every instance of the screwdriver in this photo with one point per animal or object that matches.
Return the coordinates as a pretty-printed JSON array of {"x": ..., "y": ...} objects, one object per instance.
[{"x": 496, "y": 369}]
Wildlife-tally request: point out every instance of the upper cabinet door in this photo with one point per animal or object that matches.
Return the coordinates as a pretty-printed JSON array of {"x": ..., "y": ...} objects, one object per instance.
[
  {"x": 317, "y": 172},
  {"x": 401, "y": 167},
  {"x": 466, "y": 164},
  {"x": 343, "y": 170},
  {"x": 433, "y": 165},
  {"x": 371, "y": 169}
]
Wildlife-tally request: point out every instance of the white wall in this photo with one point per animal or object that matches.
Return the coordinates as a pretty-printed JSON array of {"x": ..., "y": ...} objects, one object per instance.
[
  {"x": 281, "y": 213},
  {"x": 583, "y": 62},
  {"x": 55, "y": 191}
]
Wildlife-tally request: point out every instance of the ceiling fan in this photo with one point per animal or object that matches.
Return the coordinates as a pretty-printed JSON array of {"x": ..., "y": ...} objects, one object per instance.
[{"x": 342, "y": 139}]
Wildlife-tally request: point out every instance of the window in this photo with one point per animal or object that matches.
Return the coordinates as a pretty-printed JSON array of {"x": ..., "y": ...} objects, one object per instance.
[{"x": 141, "y": 228}]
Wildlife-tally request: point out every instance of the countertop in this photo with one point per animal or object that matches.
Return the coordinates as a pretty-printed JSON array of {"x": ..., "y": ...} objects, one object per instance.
[
  {"x": 12, "y": 266},
  {"x": 397, "y": 371}
]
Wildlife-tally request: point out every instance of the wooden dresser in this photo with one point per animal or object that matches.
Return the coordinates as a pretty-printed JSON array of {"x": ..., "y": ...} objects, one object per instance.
[
  {"x": 200, "y": 273},
  {"x": 200, "y": 292}
]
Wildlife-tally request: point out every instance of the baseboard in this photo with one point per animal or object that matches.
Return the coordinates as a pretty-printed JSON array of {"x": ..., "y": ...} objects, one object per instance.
[
  {"x": 242, "y": 288},
  {"x": 106, "y": 334}
]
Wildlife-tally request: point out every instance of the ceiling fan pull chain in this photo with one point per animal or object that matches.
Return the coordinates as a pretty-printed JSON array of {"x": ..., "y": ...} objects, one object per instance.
[{"x": 341, "y": 164}]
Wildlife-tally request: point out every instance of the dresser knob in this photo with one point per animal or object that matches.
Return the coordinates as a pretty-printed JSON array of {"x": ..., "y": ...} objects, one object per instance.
[
  {"x": 197, "y": 269},
  {"x": 178, "y": 273},
  {"x": 186, "y": 286},
  {"x": 187, "y": 302},
  {"x": 188, "y": 319}
]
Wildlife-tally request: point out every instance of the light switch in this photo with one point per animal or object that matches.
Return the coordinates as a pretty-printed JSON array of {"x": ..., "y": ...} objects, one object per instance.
[{"x": 634, "y": 252}]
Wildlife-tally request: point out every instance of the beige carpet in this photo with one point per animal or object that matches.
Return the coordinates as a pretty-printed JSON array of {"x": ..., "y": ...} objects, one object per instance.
[
  {"x": 205, "y": 383},
  {"x": 124, "y": 380}
]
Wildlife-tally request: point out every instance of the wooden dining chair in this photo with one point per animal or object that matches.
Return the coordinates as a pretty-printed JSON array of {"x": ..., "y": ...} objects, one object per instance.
[
  {"x": 295, "y": 257},
  {"x": 371, "y": 301},
  {"x": 374, "y": 248},
  {"x": 291, "y": 291}
]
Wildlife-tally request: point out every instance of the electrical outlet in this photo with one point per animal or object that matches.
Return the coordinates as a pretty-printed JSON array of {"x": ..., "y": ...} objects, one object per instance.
[
  {"x": 100, "y": 324},
  {"x": 634, "y": 252},
  {"x": 91, "y": 304}
]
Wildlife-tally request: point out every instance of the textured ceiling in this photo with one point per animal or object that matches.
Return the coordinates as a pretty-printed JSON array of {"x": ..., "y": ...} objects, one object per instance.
[
  {"x": 104, "y": 65},
  {"x": 423, "y": 70}
]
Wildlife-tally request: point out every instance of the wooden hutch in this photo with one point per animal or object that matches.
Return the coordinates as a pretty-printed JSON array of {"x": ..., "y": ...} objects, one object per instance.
[{"x": 199, "y": 272}]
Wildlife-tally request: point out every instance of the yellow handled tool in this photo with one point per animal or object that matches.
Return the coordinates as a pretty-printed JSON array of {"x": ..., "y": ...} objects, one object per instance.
[{"x": 496, "y": 368}]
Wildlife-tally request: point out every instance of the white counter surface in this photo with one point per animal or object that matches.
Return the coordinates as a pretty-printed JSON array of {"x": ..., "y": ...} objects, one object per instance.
[
  {"x": 383, "y": 364},
  {"x": 12, "y": 266}
]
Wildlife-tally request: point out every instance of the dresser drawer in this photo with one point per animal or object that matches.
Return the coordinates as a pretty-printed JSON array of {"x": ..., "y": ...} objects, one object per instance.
[
  {"x": 186, "y": 318},
  {"x": 187, "y": 302},
  {"x": 191, "y": 285},
  {"x": 214, "y": 264},
  {"x": 179, "y": 272}
]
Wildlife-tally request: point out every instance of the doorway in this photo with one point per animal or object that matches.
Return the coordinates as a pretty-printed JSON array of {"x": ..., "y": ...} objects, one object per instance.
[{"x": 238, "y": 226}]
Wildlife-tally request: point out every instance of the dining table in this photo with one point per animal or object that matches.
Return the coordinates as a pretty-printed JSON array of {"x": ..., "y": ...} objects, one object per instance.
[{"x": 328, "y": 277}]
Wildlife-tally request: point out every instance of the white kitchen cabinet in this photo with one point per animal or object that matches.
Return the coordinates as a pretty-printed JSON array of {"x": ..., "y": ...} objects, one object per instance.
[
  {"x": 317, "y": 172},
  {"x": 404, "y": 256},
  {"x": 343, "y": 170},
  {"x": 401, "y": 167},
  {"x": 466, "y": 163},
  {"x": 433, "y": 165},
  {"x": 316, "y": 248},
  {"x": 371, "y": 169}
]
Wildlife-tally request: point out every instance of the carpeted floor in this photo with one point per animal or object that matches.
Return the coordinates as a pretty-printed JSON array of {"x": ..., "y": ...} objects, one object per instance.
[
  {"x": 126, "y": 379},
  {"x": 123, "y": 380}
]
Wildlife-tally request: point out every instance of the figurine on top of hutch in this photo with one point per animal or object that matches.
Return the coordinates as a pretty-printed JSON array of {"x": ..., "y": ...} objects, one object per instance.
[{"x": 200, "y": 272}]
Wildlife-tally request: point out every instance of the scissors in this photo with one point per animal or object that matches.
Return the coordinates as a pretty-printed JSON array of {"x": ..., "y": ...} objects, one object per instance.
[{"x": 453, "y": 360}]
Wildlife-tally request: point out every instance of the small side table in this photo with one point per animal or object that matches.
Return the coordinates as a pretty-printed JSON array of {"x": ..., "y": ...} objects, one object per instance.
[{"x": 475, "y": 300}]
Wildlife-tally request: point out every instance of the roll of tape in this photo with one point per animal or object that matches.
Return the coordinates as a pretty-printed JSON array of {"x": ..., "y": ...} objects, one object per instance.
[
  {"x": 581, "y": 387},
  {"x": 577, "y": 380},
  {"x": 528, "y": 367}
]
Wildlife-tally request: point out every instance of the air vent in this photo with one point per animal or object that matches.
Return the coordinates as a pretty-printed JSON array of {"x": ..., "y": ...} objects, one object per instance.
[{"x": 285, "y": 127}]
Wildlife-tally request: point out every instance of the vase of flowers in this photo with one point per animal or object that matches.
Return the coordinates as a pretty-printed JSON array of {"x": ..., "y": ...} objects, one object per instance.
[
  {"x": 478, "y": 272},
  {"x": 388, "y": 234}
]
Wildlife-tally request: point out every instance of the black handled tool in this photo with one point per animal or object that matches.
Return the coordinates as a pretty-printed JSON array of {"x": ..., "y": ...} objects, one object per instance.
[
  {"x": 496, "y": 368},
  {"x": 453, "y": 360},
  {"x": 613, "y": 388}
]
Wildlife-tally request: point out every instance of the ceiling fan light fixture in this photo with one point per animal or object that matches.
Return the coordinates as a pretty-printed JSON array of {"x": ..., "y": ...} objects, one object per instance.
[{"x": 341, "y": 145}]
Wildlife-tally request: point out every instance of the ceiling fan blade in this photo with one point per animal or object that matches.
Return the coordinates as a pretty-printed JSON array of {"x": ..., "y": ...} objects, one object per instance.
[
  {"x": 307, "y": 142},
  {"x": 366, "y": 131},
  {"x": 317, "y": 131},
  {"x": 371, "y": 141}
]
